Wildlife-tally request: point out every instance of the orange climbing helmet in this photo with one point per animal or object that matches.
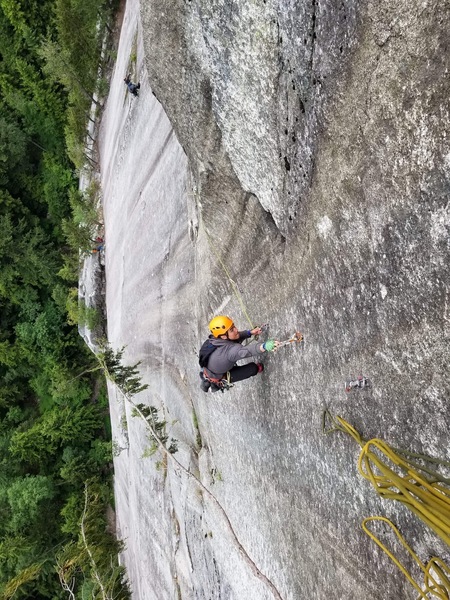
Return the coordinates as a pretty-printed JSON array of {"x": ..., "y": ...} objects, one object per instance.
[{"x": 220, "y": 325}]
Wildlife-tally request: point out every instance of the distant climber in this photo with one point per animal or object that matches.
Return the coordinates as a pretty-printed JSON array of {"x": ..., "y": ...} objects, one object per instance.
[
  {"x": 221, "y": 351},
  {"x": 132, "y": 87}
]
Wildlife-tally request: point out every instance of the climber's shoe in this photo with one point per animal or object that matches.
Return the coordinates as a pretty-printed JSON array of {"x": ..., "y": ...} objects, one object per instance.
[{"x": 205, "y": 385}]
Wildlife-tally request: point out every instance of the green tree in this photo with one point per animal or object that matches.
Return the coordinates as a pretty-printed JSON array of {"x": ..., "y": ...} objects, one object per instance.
[
  {"x": 25, "y": 498},
  {"x": 13, "y": 145},
  {"x": 61, "y": 425},
  {"x": 52, "y": 432},
  {"x": 79, "y": 236}
]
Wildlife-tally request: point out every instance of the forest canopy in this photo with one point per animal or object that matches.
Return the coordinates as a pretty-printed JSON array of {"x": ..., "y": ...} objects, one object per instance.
[{"x": 56, "y": 456}]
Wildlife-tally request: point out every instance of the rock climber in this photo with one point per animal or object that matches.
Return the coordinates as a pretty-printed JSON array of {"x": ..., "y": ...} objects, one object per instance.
[
  {"x": 221, "y": 351},
  {"x": 98, "y": 248},
  {"x": 132, "y": 87}
]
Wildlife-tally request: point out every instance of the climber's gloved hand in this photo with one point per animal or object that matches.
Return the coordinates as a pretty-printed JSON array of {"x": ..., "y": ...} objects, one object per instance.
[{"x": 270, "y": 345}]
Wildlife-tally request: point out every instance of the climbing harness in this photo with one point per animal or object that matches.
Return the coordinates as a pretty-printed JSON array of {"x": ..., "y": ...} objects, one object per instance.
[
  {"x": 223, "y": 384},
  {"x": 436, "y": 572}
]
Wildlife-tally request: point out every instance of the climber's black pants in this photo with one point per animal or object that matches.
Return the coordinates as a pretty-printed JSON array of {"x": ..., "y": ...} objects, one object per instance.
[{"x": 244, "y": 372}]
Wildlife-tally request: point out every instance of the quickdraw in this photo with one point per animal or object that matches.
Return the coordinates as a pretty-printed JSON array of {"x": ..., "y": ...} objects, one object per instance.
[
  {"x": 357, "y": 383},
  {"x": 297, "y": 337}
]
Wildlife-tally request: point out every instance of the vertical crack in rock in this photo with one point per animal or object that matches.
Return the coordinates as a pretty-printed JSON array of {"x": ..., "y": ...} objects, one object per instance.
[{"x": 313, "y": 38}]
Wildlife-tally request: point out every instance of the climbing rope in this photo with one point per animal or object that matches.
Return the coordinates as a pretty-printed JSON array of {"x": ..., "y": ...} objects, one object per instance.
[
  {"x": 395, "y": 477},
  {"x": 296, "y": 337},
  {"x": 437, "y": 583},
  {"x": 429, "y": 501},
  {"x": 339, "y": 424},
  {"x": 227, "y": 273}
]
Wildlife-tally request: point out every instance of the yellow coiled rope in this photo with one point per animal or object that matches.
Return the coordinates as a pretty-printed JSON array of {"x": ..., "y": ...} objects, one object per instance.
[
  {"x": 396, "y": 476},
  {"x": 393, "y": 478},
  {"x": 436, "y": 573}
]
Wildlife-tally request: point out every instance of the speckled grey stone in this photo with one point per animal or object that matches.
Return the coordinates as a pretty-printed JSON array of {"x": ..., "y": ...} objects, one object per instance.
[{"x": 311, "y": 140}]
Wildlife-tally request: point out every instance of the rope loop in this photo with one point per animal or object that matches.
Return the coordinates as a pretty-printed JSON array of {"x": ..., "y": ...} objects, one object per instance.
[
  {"x": 436, "y": 572},
  {"x": 395, "y": 477}
]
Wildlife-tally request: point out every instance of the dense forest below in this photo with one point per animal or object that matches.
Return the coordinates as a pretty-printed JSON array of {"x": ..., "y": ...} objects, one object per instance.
[{"x": 55, "y": 473}]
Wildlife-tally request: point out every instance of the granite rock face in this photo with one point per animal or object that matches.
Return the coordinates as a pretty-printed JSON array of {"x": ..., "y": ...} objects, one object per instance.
[
  {"x": 244, "y": 85},
  {"x": 301, "y": 179}
]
